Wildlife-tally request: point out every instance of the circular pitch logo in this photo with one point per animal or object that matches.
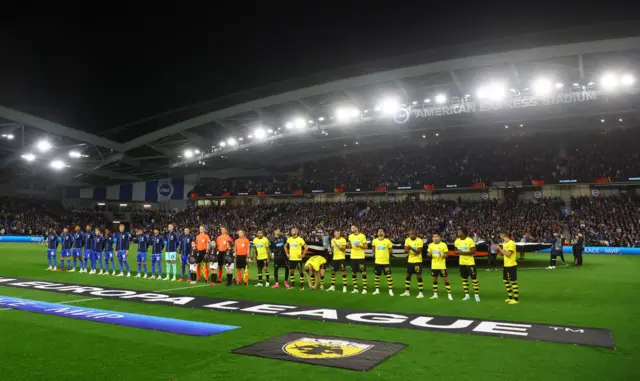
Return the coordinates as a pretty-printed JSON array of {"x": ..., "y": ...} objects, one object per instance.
[
  {"x": 310, "y": 348},
  {"x": 165, "y": 190},
  {"x": 402, "y": 116}
]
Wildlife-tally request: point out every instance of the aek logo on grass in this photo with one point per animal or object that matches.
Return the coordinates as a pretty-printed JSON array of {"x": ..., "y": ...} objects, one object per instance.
[{"x": 310, "y": 348}]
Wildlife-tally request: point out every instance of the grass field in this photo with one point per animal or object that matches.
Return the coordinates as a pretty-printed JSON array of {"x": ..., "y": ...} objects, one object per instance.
[{"x": 600, "y": 294}]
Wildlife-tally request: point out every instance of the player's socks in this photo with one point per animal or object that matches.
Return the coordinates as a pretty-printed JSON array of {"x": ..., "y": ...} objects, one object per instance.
[
  {"x": 333, "y": 279},
  {"x": 321, "y": 279},
  {"x": 389, "y": 281},
  {"x": 167, "y": 267},
  {"x": 153, "y": 267},
  {"x": 139, "y": 267},
  {"x": 364, "y": 282},
  {"x": 465, "y": 286},
  {"x": 286, "y": 274},
  {"x": 267, "y": 276},
  {"x": 144, "y": 268},
  {"x": 292, "y": 277},
  {"x": 476, "y": 286},
  {"x": 354, "y": 281},
  {"x": 407, "y": 283},
  {"x": 239, "y": 275},
  {"x": 229, "y": 279},
  {"x": 301, "y": 280},
  {"x": 49, "y": 260},
  {"x": 75, "y": 263},
  {"x": 175, "y": 269},
  {"x": 61, "y": 262},
  {"x": 435, "y": 288},
  {"x": 106, "y": 265},
  {"x": 447, "y": 285},
  {"x": 344, "y": 280},
  {"x": 516, "y": 289},
  {"x": 260, "y": 277},
  {"x": 507, "y": 285},
  {"x": 420, "y": 284},
  {"x": 183, "y": 268},
  {"x": 376, "y": 281},
  {"x": 220, "y": 274}
]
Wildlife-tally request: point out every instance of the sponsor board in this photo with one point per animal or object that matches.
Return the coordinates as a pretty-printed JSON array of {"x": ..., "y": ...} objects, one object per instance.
[
  {"x": 184, "y": 327},
  {"x": 558, "y": 333},
  {"x": 336, "y": 352}
]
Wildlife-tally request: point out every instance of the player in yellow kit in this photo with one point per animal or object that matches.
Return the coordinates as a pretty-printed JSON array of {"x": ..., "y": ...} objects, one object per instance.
[
  {"x": 294, "y": 249},
  {"x": 413, "y": 246},
  {"x": 358, "y": 244},
  {"x": 382, "y": 248},
  {"x": 510, "y": 272},
  {"x": 438, "y": 251},
  {"x": 466, "y": 249},
  {"x": 314, "y": 267},
  {"x": 261, "y": 243},
  {"x": 338, "y": 247}
]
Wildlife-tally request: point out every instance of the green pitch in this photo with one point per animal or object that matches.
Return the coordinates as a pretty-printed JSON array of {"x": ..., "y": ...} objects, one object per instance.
[{"x": 603, "y": 293}]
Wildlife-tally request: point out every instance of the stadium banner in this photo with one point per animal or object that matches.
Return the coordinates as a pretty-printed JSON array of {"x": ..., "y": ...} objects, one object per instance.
[
  {"x": 486, "y": 105},
  {"x": 558, "y": 333},
  {"x": 20, "y": 238},
  {"x": 600, "y": 250},
  {"x": 183, "y": 327},
  {"x": 336, "y": 352}
]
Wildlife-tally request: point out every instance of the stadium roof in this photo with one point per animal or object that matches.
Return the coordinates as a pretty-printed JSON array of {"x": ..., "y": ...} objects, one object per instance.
[{"x": 155, "y": 147}]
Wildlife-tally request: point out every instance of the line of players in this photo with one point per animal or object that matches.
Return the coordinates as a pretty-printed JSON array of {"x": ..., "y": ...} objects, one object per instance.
[{"x": 209, "y": 259}]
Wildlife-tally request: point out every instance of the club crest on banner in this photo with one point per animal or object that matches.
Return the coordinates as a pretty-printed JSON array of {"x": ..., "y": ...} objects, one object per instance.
[
  {"x": 165, "y": 189},
  {"x": 537, "y": 194},
  {"x": 436, "y": 197},
  {"x": 485, "y": 196},
  {"x": 595, "y": 192}
]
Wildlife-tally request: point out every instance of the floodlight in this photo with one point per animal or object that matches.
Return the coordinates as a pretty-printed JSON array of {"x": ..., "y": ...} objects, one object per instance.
[
  {"x": 260, "y": 133},
  {"x": 223, "y": 144},
  {"x": 559, "y": 85},
  {"x": 197, "y": 152},
  {"x": 390, "y": 106},
  {"x": 346, "y": 114},
  {"x": 414, "y": 103},
  {"x": 188, "y": 153},
  {"x": 542, "y": 87},
  {"x": 441, "y": 98},
  {"x": 270, "y": 131},
  {"x": 232, "y": 142},
  {"x": 43, "y": 145},
  {"x": 289, "y": 125},
  {"x": 627, "y": 80},
  {"x": 250, "y": 136},
  {"x": 10, "y": 136},
  {"x": 609, "y": 81},
  {"x": 74, "y": 154},
  {"x": 321, "y": 119},
  {"x": 427, "y": 100},
  {"x": 57, "y": 164},
  {"x": 29, "y": 157},
  {"x": 299, "y": 123},
  {"x": 493, "y": 91},
  {"x": 146, "y": 206}
]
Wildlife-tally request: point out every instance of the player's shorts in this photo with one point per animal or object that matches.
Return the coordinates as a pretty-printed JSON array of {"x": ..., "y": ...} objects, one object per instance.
[
  {"x": 122, "y": 255},
  {"x": 220, "y": 255},
  {"x": 262, "y": 263},
  {"x": 379, "y": 269},
  {"x": 77, "y": 253},
  {"x": 141, "y": 257},
  {"x": 65, "y": 253},
  {"x": 170, "y": 256},
  {"x": 241, "y": 261},
  {"x": 467, "y": 271},
  {"x": 414, "y": 268},
  {"x": 184, "y": 259},
  {"x": 88, "y": 253},
  {"x": 439, "y": 273},
  {"x": 358, "y": 265},
  {"x": 108, "y": 256},
  {"x": 339, "y": 265},
  {"x": 199, "y": 255},
  {"x": 280, "y": 261},
  {"x": 510, "y": 273},
  {"x": 96, "y": 255},
  {"x": 295, "y": 264},
  {"x": 51, "y": 253}
]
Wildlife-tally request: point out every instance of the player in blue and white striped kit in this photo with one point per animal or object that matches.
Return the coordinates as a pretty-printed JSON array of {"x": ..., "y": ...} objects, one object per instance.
[
  {"x": 143, "y": 245},
  {"x": 97, "y": 252},
  {"x": 52, "y": 247},
  {"x": 157, "y": 244},
  {"x": 67, "y": 245},
  {"x": 89, "y": 245},
  {"x": 123, "y": 241},
  {"x": 108, "y": 252},
  {"x": 78, "y": 243}
]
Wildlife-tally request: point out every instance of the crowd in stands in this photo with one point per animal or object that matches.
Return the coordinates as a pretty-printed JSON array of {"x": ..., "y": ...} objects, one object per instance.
[
  {"x": 515, "y": 158},
  {"x": 613, "y": 221}
]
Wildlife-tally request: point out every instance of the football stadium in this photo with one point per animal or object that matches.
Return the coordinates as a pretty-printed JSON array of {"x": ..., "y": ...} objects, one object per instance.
[{"x": 469, "y": 213}]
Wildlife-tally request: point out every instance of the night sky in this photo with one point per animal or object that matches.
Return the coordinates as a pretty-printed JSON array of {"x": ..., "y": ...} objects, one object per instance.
[{"x": 95, "y": 75}]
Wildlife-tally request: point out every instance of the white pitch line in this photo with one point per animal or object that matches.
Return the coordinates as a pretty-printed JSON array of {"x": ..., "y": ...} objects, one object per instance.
[{"x": 182, "y": 288}]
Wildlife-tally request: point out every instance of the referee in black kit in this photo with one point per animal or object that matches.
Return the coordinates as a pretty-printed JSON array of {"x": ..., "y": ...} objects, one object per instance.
[{"x": 578, "y": 248}]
